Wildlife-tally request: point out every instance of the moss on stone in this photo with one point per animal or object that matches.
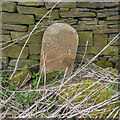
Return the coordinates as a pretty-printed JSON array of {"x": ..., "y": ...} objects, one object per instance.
[
  {"x": 34, "y": 39},
  {"x": 90, "y": 27},
  {"x": 84, "y": 37},
  {"x": 34, "y": 57},
  {"x": 113, "y": 18},
  {"x": 9, "y": 6},
  {"x": 20, "y": 28},
  {"x": 69, "y": 14},
  {"x": 111, "y": 50},
  {"x": 49, "y": 5},
  {"x": 34, "y": 49},
  {"x": 40, "y": 28},
  {"x": 21, "y": 78},
  {"x": 91, "y": 5},
  {"x": 22, "y": 63},
  {"x": 100, "y": 40},
  {"x": 5, "y": 60},
  {"x": 5, "y": 38},
  {"x": 14, "y": 51},
  {"x": 105, "y": 31},
  {"x": 71, "y": 90},
  {"x": 104, "y": 63},
  {"x": 107, "y": 14},
  {"x": 16, "y": 18},
  {"x": 117, "y": 66},
  {"x": 31, "y": 3}
]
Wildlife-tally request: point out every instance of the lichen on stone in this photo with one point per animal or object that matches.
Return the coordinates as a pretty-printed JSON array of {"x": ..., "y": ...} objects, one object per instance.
[{"x": 21, "y": 78}]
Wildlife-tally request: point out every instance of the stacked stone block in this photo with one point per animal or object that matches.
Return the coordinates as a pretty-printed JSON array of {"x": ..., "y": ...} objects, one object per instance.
[{"x": 96, "y": 23}]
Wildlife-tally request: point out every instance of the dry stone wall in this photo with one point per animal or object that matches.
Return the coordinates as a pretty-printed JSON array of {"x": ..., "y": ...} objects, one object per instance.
[{"x": 96, "y": 23}]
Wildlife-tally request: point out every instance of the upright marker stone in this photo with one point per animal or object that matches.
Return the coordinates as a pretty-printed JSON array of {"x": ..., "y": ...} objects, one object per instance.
[{"x": 60, "y": 43}]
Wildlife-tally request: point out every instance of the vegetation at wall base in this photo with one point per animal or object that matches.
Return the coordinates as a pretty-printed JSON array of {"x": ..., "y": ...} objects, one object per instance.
[{"x": 84, "y": 92}]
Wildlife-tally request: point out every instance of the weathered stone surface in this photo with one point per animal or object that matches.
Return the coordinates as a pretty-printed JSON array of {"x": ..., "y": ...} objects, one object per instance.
[
  {"x": 116, "y": 43},
  {"x": 95, "y": 50},
  {"x": 22, "y": 63},
  {"x": 90, "y": 50},
  {"x": 107, "y": 14},
  {"x": 4, "y": 32},
  {"x": 36, "y": 38},
  {"x": 14, "y": 27},
  {"x": 9, "y": 6},
  {"x": 40, "y": 3},
  {"x": 109, "y": 23},
  {"x": 82, "y": 10},
  {"x": 113, "y": 22},
  {"x": 79, "y": 57},
  {"x": 89, "y": 27},
  {"x": 81, "y": 50},
  {"x": 60, "y": 5},
  {"x": 5, "y": 38},
  {"x": 77, "y": 14},
  {"x": 114, "y": 18},
  {"x": 34, "y": 57},
  {"x": 104, "y": 63},
  {"x": 19, "y": 35},
  {"x": 100, "y": 40},
  {"x": 60, "y": 43},
  {"x": 14, "y": 50},
  {"x": 86, "y": 19},
  {"x": 70, "y": 21},
  {"x": 94, "y": 22},
  {"x": 111, "y": 4},
  {"x": 88, "y": 56},
  {"x": 64, "y": 9},
  {"x": 16, "y": 18},
  {"x": 5, "y": 60},
  {"x": 38, "y": 12},
  {"x": 84, "y": 37},
  {"x": 111, "y": 50},
  {"x": 112, "y": 35},
  {"x": 91, "y": 5},
  {"x": 40, "y": 28},
  {"x": 105, "y": 31},
  {"x": 53, "y": 15},
  {"x": 108, "y": 10},
  {"x": 21, "y": 78},
  {"x": 45, "y": 23},
  {"x": 113, "y": 26},
  {"x": 34, "y": 49},
  {"x": 101, "y": 22}
]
